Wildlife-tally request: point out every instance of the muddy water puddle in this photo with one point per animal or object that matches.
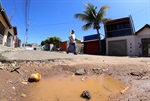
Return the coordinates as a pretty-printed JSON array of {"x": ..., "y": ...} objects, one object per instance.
[{"x": 70, "y": 87}]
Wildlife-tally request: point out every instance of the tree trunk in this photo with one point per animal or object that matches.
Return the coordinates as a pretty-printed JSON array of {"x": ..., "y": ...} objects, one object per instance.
[{"x": 99, "y": 40}]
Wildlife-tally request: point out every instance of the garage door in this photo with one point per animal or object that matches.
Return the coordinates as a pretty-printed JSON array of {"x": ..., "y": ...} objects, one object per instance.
[
  {"x": 2, "y": 29},
  {"x": 1, "y": 38},
  {"x": 117, "y": 48}
]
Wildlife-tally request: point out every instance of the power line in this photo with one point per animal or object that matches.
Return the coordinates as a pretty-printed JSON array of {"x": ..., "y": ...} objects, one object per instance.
[
  {"x": 139, "y": 10},
  {"x": 27, "y": 11},
  {"x": 47, "y": 25},
  {"x": 27, "y": 20}
]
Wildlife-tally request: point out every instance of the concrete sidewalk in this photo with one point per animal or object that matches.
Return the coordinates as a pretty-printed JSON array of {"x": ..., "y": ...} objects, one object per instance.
[
  {"x": 8, "y": 49},
  {"x": 4, "y": 48},
  {"x": 40, "y": 55}
]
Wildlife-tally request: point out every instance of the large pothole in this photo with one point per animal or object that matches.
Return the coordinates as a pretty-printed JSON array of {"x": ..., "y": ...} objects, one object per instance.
[{"x": 66, "y": 87}]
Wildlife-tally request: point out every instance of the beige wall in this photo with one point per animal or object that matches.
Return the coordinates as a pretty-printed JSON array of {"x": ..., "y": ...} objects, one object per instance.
[
  {"x": 3, "y": 21},
  {"x": 135, "y": 40},
  {"x": 11, "y": 31},
  {"x": 131, "y": 45},
  {"x": 145, "y": 31}
]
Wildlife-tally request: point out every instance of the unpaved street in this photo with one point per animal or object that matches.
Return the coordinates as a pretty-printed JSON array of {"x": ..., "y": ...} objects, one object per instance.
[{"x": 134, "y": 72}]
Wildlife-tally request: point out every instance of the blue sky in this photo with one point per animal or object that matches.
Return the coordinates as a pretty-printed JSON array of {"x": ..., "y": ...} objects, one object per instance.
[{"x": 56, "y": 17}]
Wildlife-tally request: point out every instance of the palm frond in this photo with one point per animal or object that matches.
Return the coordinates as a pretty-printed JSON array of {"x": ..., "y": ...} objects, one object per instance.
[
  {"x": 91, "y": 9},
  {"x": 87, "y": 26},
  {"x": 102, "y": 12},
  {"x": 105, "y": 20},
  {"x": 92, "y": 17},
  {"x": 82, "y": 17}
]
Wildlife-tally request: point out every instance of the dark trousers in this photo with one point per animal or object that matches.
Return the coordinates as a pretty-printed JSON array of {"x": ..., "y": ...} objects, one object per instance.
[{"x": 70, "y": 46}]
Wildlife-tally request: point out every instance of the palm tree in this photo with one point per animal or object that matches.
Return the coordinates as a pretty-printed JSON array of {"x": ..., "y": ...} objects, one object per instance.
[{"x": 93, "y": 19}]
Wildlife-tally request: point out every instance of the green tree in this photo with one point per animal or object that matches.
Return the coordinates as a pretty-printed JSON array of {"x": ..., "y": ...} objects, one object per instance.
[
  {"x": 93, "y": 18},
  {"x": 51, "y": 40},
  {"x": 43, "y": 43}
]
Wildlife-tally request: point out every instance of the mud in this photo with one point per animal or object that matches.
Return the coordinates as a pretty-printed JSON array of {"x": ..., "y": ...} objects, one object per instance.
[{"x": 70, "y": 87}]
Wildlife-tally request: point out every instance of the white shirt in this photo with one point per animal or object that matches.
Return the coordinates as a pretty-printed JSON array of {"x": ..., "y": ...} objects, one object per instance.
[{"x": 72, "y": 38}]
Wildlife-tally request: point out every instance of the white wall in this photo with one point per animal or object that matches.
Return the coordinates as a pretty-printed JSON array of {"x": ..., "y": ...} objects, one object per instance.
[
  {"x": 133, "y": 41},
  {"x": 28, "y": 48},
  {"x": 131, "y": 44}
]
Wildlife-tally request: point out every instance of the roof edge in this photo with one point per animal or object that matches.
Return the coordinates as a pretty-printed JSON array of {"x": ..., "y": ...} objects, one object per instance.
[
  {"x": 117, "y": 19},
  {"x": 3, "y": 12},
  {"x": 145, "y": 26}
]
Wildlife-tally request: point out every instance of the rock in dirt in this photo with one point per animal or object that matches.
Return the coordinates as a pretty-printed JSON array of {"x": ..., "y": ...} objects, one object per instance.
[
  {"x": 97, "y": 70},
  {"x": 136, "y": 74},
  {"x": 124, "y": 90},
  {"x": 1, "y": 68},
  {"x": 80, "y": 71},
  {"x": 23, "y": 95},
  {"x": 83, "y": 78},
  {"x": 86, "y": 94},
  {"x": 34, "y": 77},
  {"x": 145, "y": 77},
  {"x": 24, "y": 82},
  {"x": 14, "y": 69},
  {"x": 13, "y": 88}
]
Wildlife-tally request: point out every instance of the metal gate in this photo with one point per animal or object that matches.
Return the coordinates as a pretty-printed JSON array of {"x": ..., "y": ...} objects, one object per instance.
[
  {"x": 117, "y": 48},
  {"x": 146, "y": 46},
  {"x": 2, "y": 29},
  {"x": 1, "y": 38}
]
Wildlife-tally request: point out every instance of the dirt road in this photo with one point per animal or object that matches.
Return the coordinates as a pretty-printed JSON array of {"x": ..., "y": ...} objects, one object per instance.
[{"x": 132, "y": 71}]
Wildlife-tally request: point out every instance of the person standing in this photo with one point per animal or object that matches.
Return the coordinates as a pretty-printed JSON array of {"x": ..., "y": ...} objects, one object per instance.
[{"x": 72, "y": 42}]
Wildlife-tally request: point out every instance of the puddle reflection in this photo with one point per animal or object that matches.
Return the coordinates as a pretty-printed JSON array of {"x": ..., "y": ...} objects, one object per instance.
[{"x": 69, "y": 88}]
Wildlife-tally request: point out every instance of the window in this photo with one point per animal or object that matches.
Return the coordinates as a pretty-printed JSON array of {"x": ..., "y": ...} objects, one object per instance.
[
  {"x": 108, "y": 28},
  {"x": 115, "y": 27},
  {"x": 120, "y": 25},
  {"x": 127, "y": 25},
  {"x": 119, "y": 29},
  {"x": 119, "y": 33}
]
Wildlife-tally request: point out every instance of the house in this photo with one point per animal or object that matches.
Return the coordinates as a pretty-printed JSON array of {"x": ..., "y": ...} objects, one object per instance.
[
  {"x": 91, "y": 44},
  {"x": 120, "y": 37},
  {"x": 4, "y": 25},
  {"x": 33, "y": 46},
  {"x": 7, "y": 31},
  {"x": 15, "y": 39},
  {"x": 122, "y": 40},
  {"x": 143, "y": 41}
]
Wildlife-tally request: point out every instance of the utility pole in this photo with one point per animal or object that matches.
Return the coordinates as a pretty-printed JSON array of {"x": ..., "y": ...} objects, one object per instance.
[
  {"x": 12, "y": 14},
  {"x": 26, "y": 33}
]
